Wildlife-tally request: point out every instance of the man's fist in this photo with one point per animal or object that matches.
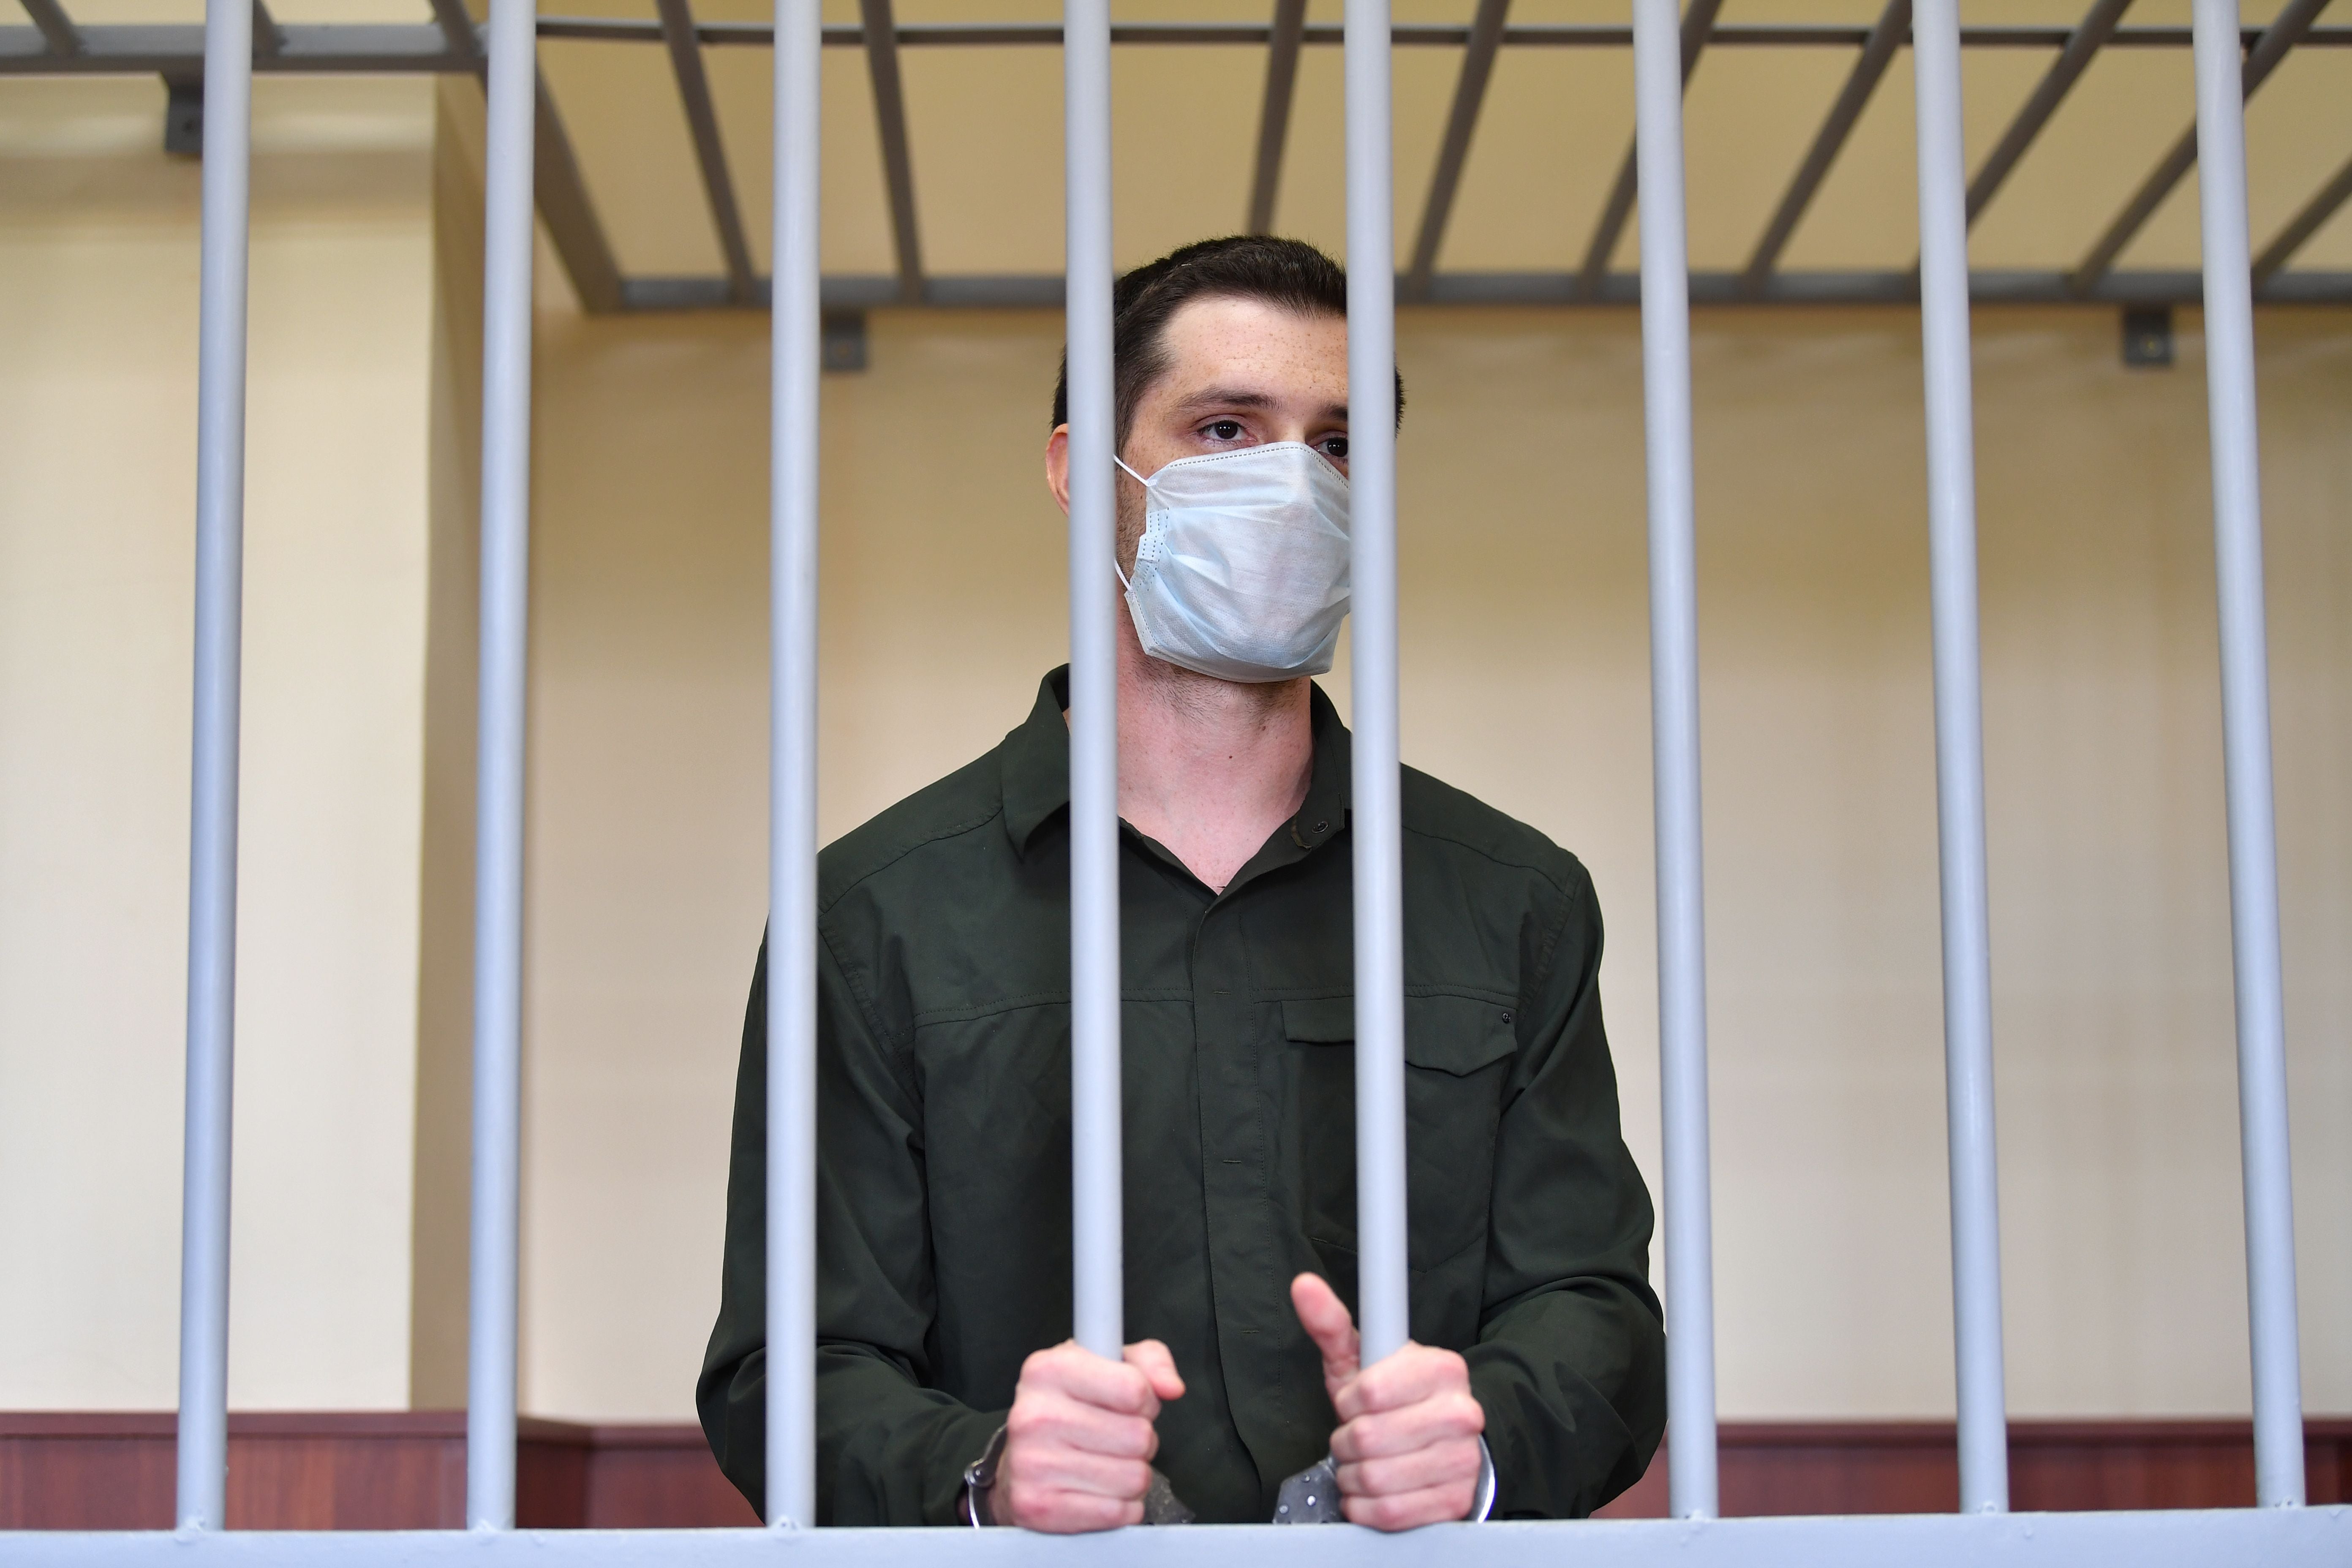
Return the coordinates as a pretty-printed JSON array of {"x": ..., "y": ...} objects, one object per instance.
[
  {"x": 1079, "y": 1443},
  {"x": 1407, "y": 1445}
]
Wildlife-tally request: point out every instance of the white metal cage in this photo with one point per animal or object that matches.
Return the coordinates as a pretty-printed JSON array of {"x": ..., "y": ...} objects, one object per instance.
[{"x": 529, "y": 168}]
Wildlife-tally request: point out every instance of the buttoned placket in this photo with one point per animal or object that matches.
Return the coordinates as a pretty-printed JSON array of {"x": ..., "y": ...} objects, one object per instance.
[{"x": 1248, "y": 1285}]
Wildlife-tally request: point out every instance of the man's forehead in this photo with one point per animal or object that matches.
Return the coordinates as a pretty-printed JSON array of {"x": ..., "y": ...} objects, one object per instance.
[{"x": 1256, "y": 348}]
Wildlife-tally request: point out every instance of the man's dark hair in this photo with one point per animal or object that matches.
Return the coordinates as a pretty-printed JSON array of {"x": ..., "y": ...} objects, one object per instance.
[{"x": 1288, "y": 273}]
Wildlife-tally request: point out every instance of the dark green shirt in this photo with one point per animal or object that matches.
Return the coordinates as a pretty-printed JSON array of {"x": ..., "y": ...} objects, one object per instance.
[{"x": 944, "y": 1147}]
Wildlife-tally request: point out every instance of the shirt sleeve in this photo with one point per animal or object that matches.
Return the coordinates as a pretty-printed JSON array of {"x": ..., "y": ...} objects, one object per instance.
[
  {"x": 1571, "y": 1359},
  {"x": 890, "y": 1451}
]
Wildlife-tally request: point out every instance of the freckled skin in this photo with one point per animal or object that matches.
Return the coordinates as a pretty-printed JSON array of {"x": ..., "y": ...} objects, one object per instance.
[{"x": 1210, "y": 768}]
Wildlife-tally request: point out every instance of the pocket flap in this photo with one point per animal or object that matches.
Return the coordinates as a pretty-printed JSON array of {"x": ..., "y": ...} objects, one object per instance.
[
  {"x": 1320, "y": 1020},
  {"x": 1458, "y": 1035}
]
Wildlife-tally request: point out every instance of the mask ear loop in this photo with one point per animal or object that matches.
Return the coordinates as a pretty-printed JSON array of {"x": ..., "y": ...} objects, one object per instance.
[{"x": 1140, "y": 480}]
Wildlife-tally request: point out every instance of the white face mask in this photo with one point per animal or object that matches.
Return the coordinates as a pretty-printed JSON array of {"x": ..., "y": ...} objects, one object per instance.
[{"x": 1242, "y": 572}]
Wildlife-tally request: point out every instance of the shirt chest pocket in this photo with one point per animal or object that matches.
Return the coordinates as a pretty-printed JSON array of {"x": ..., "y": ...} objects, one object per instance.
[{"x": 1458, "y": 1052}]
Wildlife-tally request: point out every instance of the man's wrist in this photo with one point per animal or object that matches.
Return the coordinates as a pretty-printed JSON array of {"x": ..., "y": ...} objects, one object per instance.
[{"x": 980, "y": 1482}]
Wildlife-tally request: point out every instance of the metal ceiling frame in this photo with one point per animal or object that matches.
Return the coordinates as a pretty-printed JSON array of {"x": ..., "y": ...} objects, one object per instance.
[
  {"x": 1888, "y": 35},
  {"x": 2292, "y": 23},
  {"x": 55, "y": 44},
  {"x": 709, "y": 151}
]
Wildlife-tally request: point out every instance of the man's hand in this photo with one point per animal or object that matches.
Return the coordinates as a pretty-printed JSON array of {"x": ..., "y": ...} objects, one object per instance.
[
  {"x": 1079, "y": 1443},
  {"x": 1408, "y": 1438}
]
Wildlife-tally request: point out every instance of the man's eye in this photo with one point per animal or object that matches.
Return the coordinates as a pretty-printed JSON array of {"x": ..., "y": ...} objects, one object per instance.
[
  {"x": 1336, "y": 448},
  {"x": 1224, "y": 429}
]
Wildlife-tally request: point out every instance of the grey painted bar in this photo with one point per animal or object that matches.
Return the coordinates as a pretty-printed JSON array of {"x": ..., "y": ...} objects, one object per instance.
[
  {"x": 507, "y": 230},
  {"x": 1960, "y": 761},
  {"x": 1098, "y": 1274},
  {"x": 213, "y": 772},
  {"x": 1376, "y": 815},
  {"x": 791, "y": 1414},
  {"x": 1688, "y": 1241},
  {"x": 2246, "y": 760}
]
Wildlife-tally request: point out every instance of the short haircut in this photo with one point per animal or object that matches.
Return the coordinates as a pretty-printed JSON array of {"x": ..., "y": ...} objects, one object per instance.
[{"x": 1288, "y": 274}]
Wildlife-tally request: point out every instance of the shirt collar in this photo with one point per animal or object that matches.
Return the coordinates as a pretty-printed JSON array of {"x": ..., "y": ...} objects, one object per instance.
[{"x": 1035, "y": 766}]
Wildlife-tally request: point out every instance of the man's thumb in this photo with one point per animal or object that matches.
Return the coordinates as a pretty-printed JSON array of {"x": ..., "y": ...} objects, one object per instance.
[
  {"x": 1153, "y": 1359},
  {"x": 1325, "y": 1318}
]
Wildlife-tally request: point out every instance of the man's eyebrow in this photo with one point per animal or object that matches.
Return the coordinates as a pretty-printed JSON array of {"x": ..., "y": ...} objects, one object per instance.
[{"x": 1239, "y": 397}]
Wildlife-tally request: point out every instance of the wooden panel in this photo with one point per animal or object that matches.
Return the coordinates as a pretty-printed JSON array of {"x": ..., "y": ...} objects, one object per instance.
[
  {"x": 1906, "y": 1466},
  {"x": 407, "y": 1469},
  {"x": 67, "y": 1471},
  {"x": 641, "y": 1476},
  {"x": 551, "y": 1474}
]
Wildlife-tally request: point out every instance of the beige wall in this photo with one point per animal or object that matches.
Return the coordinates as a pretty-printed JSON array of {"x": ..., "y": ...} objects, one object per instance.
[
  {"x": 1526, "y": 681},
  {"x": 1526, "y": 667},
  {"x": 98, "y": 328}
]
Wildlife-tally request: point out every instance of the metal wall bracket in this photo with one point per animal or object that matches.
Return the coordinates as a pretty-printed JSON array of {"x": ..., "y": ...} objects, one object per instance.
[
  {"x": 184, "y": 116},
  {"x": 843, "y": 340},
  {"x": 2147, "y": 337}
]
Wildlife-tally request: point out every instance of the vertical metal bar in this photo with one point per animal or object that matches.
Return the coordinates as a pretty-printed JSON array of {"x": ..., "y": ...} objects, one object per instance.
[
  {"x": 2286, "y": 29},
  {"x": 499, "y": 787},
  {"x": 1383, "y": 1305},
  {"x": 2246, "y": 757},
  {"x": 1658, "y": 77},
  {"x": 792, "y": 775},
  {"x": 213, "y": 772},
  {"x": 1959, "y": 761},
  {"x": 1097, "y": 1245},
  {"x": 1618, "y": 207}
]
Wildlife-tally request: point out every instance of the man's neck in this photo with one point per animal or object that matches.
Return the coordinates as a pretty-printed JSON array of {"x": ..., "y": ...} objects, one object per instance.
[{"x": 1208, "y": 768}]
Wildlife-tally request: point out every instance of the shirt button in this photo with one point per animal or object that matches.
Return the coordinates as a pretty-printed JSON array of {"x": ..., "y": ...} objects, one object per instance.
[
  {"x": 1321, "y": 825},
  {"x": 1507, "y": 1017}
]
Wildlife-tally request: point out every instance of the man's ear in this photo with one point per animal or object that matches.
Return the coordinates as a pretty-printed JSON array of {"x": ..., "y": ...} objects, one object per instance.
[{"x": 1057, "y": 467}]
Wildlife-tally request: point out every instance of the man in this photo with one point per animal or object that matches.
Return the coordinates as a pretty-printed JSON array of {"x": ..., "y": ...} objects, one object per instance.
[{"x": 948, "y": 1389}]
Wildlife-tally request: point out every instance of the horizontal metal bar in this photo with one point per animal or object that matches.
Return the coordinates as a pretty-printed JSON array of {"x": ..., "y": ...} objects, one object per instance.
[
  {"x": 710, "y": 149},
  {"x": 897, "y": 163},
  {"x": 572, "y": 225},
  {"x": 1042, "y": 291},
  {"x": 2303, "y": 226},
  {"x": 458, "y": 26},
  {"x": 1469, "y": 97},
  {"x": 2290, "y": 26},
  {"x": 1893, "y": 25},
  {"x": 1698, "y": 26},
  {"x": 2185, "y": 1538},
  {"x": 1048, "y": 35},
  {"x": 2097, "y": 30},
  {"x": 56, "y": 29},
  {"x": 1274, "y": 112},
  {"x": 402, "y": 50},
  {"x": 315, "y": 49}
]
